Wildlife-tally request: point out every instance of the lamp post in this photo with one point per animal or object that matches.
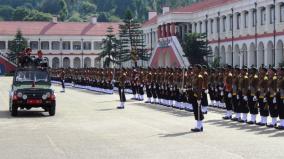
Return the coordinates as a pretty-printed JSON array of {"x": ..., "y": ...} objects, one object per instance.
[
  {"x": 255, "y": 27},
  {"x": 82, "y": 53},
  {"x": 232, "y": 23},
  {"x": 60, "y": 47},
  {"x": 274, "y": 33}
]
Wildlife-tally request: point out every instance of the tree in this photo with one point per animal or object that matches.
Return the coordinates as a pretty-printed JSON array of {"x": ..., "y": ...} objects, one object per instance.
[
  {"x": 109, "y": 53},
  {"x": 20, "y": 13},
  {"x": 35, "y": 15},
  {"x": 17, "y": 46},
  {"x": 132, "y": 41},
  {"x": 87, "y": 7},
  {"x": 195, "y": 47},
  {"x": 6, "y": 12}
]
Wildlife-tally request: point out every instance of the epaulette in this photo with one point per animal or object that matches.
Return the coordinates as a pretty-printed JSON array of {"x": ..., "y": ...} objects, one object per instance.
[
  {"x": 265, "y": 78},
  {"x": 230, "y": 74},
  {"x": 274, "y": 77},
  {"x": 200, "y": 76},
  {"x": 246, "y": 77},
  {"x": 255, "y": 76},
  {"x": 205, "y": 73}
]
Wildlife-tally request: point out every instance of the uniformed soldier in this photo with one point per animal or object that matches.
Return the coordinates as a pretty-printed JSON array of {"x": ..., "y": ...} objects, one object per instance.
[
  {"x": 121, "y": 87},
  {"x": 280, "y": 98},
  {"x": 63, "y": 81},
  {"x": 235, "y": 97},
  {"x": 228, "y": 82},
  {"x": 252, "y": 95},
  {"x": 243, "y": 91},
  {"x": 262, "y": 100},
  {"x": 197, "y": 85},
  {"x": 204, "y": 100},
  {"x": 271, "y": 98}
]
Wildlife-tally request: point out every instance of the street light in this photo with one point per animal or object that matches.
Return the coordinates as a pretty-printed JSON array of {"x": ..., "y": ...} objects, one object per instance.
[{"x": 82, "y": 52}]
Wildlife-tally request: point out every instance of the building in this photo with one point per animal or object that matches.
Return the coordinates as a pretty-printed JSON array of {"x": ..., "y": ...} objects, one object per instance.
[
  {"x": 240, "y": 32},
  {"x": 64, "y": 44}
]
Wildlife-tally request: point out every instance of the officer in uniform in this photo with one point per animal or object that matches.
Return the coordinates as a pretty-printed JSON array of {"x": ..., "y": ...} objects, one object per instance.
[
  {"x": 262, "y": 100},
  {"x": 235, "y": 97},
  {"x": 271, "y": 98},
  {"x": 243, "y": 91},
  {"x": 121, "y": 87},
  {"x": 197, "y": 85},
  {"x": 204, "y": 100},
  {"x": 280, "y": 98},
  {"x": 228, "y": 93},
  {"x": 252, "y": 95}
]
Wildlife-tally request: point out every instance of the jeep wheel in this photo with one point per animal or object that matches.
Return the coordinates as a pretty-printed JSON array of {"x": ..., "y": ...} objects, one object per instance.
[
  {"x": 14, "y": 111},
  {"x": 52, "y": 110}
]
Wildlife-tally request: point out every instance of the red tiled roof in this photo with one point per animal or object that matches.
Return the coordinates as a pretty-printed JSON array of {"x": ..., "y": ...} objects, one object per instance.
[
  {"x": 204, "y": 4},
  {"x": 195, "y": 7},
  {"x": 151, "y": 21},
  {"x": 60, "y": 28}
]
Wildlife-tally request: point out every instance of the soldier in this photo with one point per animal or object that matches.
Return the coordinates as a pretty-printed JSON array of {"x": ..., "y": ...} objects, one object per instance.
[
  {"x": 252, "y": 95},
  {"x": 204, "y": 100},
  {"x": 271, "y": 98},
  {"x": 262, "y": 101},
  {"x": 280, "y": 98},
  {"x": 197, "y": 96},
  {"x": 62, "y": 77},
  {"x": 235, "y": 97},
  {"x": 228, "y": 92},
  {"x": 148, "y": 85},
  {"x": 243, "y": 91},
  {"x": 121, "y": 87}
]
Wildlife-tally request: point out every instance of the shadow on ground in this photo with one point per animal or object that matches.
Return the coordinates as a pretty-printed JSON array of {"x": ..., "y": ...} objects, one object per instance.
[
  {"x": 258, "y": 130},
  {"x": 24, "y": 114}
]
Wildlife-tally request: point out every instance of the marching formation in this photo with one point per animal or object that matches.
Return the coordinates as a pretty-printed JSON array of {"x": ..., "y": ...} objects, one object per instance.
[{"x": 245, "y": 93}]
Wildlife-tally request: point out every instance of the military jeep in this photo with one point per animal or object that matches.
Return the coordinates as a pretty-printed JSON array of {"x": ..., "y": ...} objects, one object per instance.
[{"x": 31, "y": 88}]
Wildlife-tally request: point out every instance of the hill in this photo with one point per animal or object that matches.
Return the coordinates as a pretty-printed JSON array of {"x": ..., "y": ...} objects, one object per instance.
[{"x": 81, "y": 10}]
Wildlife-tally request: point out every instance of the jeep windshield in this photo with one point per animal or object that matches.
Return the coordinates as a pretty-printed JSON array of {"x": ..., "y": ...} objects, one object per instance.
[{"x": 30, "y": 76}]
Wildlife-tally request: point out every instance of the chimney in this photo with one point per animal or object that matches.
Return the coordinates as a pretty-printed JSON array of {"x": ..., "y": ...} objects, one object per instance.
[
  {"x": 166, "y": 10},
  {"x": 54, "y": 19},
  {"x": 151, "y": 14},
  {"x": 94, "y": 20}
]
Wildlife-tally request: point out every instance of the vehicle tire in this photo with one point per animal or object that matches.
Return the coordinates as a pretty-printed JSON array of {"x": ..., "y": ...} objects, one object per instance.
[
  {"x": 52, "y": 110},
  {"x": 14, "y": 111}
]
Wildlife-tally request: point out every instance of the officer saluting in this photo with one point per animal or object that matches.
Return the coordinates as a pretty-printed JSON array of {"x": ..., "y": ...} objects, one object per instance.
[{"x": 196, "y": 102}]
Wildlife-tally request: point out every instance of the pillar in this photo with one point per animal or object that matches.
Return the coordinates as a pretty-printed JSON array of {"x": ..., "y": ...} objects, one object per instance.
[
  {"x": 164, "y": 30},
  {"x": 169, "y": 30},
  {"x": 159, "y": 31},
  {"x": 173, "y": 32}
]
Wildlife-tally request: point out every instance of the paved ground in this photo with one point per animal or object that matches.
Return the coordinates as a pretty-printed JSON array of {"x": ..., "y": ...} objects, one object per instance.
[{"x": 87, "y": 126}]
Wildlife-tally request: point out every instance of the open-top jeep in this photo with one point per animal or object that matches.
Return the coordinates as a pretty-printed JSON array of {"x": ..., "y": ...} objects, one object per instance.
[{"x": 31, "y": 88}]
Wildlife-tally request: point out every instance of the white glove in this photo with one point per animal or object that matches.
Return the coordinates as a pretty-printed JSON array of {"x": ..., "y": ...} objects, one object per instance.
[
  {"x": 254, "y": 99},
  {"x": 222, "y": 93},
  {"x": 216, "y": 90},
  {"x": 245, "y": 98},
  {"x": 264, "y": 100},
  {"x": 230, "y": 95},
  {"x": 238, "y": 97},
  {"x": 274, "y": 100},
  {"x": 206, "y": 91}
]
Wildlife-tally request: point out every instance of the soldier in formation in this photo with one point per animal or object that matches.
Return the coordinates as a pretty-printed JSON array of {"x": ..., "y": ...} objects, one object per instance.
[{"x": 246, "y": 93}]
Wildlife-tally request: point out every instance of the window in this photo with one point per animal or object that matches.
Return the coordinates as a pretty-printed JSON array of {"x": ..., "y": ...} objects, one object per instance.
[
  {"x": 55, "y": 45},
  {"x": 238, "y": 21},
  {"x": 263, "y": 16},
  {"x": 254, "y": 18},
  {"x": 224, "y": 24},
  {"x": 97, "y": 45},
  {"x": 34, "y": 45},
  {"x": 246, "y": 20},
  {"x": 211, "y": 25},
  {"x": 2, "y": 45},
  {"x": 271, "y": 15},
  {"x": 231, "y": 22},
  {"x": 87, "y": 45},
  {"x": 282, "y": 13},
  {"x": 77, "y": 45},
  {"x": 66, "y": 45},
  {"x": 45, "y": 45}
]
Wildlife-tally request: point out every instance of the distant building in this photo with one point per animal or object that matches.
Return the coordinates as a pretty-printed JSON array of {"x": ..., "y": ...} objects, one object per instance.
[
  {"x": 240, "y": 32},
  {"x": 64, "y": 44}
]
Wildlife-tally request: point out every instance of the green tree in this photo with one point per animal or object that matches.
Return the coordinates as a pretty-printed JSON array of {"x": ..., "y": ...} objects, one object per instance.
[
  {"x": 35, "y": 15},
  {"x": 132, "y": 41},
  {"x": 110, "y": 52},
  {"x": 6, "y": 12},
  {"x": 87, "y": 7},
  {"x": 20, "y": 13},
  {"x": 196, "y": 48},
  {"x": 17, "y": 46}
]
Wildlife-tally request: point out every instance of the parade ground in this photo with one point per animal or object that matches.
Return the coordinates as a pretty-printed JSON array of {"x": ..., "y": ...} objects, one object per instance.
[{"x": 87, "y": 125}]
